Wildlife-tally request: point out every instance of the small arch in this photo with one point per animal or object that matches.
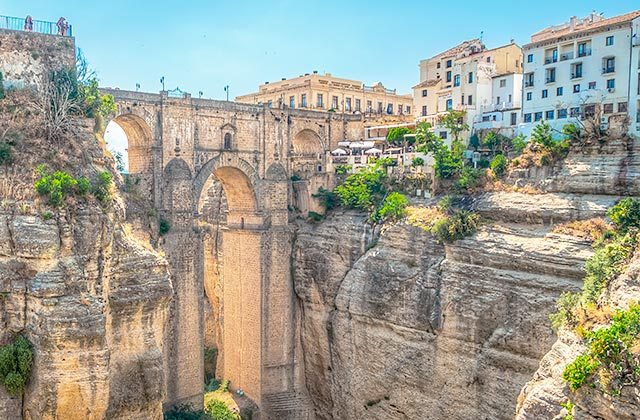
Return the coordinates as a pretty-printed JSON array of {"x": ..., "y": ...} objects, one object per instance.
[
  {"x": 238, "y": 180},
  {"x": 308, "y": 143},
  {"x": 139, "y": 142},
  {"x": 276, "y": 172},
  {"x": 227, "y": 141}
]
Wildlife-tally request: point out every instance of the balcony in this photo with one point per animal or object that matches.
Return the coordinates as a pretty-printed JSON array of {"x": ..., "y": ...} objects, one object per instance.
[
  {"x": 551, "y": 80},
  {"x": 576, "y": 75},
  {"x": 549, "y": 60},
  {"x": 528, "y": 83},
  {"x": 607, "y": 70},
  {"x": 584, "y": 53},
  {"x": 566, "y": 56}
]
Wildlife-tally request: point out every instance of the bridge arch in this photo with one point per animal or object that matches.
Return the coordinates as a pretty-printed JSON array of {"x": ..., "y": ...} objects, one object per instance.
[
  {"x": 238, "y": 179},
  {"x": 139, "y": 139}
]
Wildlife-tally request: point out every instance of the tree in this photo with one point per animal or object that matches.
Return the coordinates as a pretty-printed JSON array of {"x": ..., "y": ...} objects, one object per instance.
[
  {"x": 542, "y": 135},
  {"x": 396, "y": 135},
  {"x": 453, "y": 121},
  {"x": 448, "y": 162}
]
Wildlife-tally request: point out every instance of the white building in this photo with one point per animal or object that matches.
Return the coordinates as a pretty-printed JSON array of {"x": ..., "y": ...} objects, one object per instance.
[
  {"x": 463, "y": 78},
  {"x": 573, "y": 69},
  {"x": 502, "y": 114}
]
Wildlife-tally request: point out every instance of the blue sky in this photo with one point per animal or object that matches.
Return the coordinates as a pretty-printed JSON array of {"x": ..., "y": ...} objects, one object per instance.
[{"x": 203, "y": 45}]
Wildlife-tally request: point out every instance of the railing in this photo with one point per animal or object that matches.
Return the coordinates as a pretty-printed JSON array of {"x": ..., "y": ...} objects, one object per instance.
[
  {"x": 528, "y": 83},
  {"x": 549, "y": 60},
  {"x": 584, "y": 53},
  {"x": 566, "y": 56},
  {"x": 39, "y": 26},
  {"x": 606, "y": 70}
]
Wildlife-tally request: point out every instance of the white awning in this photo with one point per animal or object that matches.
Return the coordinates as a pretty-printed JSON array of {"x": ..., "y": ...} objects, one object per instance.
[
  {"x": 339, "y": 151},
  {"x": 373, "y": 151},
  {"x": 357, "y": 144}
]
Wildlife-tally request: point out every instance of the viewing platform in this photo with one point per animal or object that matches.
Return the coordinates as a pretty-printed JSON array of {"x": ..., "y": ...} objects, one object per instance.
[{"x": 37, "y": 26}]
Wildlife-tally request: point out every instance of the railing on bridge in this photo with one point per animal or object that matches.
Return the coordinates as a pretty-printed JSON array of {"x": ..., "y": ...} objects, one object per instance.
[{"x": 39, "y": 26}]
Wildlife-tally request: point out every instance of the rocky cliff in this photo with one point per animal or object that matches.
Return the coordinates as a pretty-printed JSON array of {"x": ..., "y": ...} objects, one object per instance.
[
  {"x": 401, "y": 326},
  {"x": 90, "y": 298}
]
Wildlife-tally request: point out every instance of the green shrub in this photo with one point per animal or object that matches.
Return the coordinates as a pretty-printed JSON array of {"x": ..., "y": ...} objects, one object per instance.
[
  {"x": 57, "y": 186},
  {"x": 212, "y": 385},
  {"x": 483, "y": 163},
  {"x": 625, "y": 214},
  {"x": 163, "y": 227},
  {"x": 393, "y": 207},
  {"x": 458, "y": 225},
  {"x": 396, "y": 135},
  {"x": 16, "y": 360},
  {"x": 5, "y": 152},
  {"x": 469, "y": 179},
  {"x": 47, "y": 215},
  {"x": 210, "y": 354},
  {"x": 499, "y": 165},
  {"x": 568, "y": 405},
  {"x": 328, "y": 199},
  {"x": 606, "y": 264},
  {"x": 447, "y": 162},
  {"x": 315, "y": 217},
  {"x": 518, "y": 144},
  {"x": 295, "y": 178},
  {"x": 363, "y": 189},
  {"x": 218, "y": 410},
  {"x": 564, "y": 310},
  {"x": 417, "y": 161},
  {"x": 102, "y": 187},
  {"x": 343, "y": 169},
  {"x": 224, "y": 385},
  {"x": 185, "y": 412},
  {"x": 577, "y": 372},
  {"x": 83, "y": 186}
]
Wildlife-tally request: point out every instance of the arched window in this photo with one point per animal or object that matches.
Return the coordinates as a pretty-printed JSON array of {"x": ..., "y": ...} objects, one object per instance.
[{"x": 227, "y": 141}]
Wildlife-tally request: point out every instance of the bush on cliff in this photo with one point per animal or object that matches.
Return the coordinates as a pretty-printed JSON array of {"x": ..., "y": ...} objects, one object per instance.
[
  {"x": 457, "y": 225},
  {"x": 16, "y": 360},
  {"x": 393, "y": 207},
  {"x": 625, "y": 214},
  {"x": 59, "y": 185},
  {"x": 499, "y": 165},
  {"x": 218, "y": 410}
]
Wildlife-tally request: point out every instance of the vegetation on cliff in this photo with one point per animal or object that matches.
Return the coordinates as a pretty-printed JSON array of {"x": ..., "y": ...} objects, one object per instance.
[
  {"x": 58, "y": 186},
  {"x": 612, "y": 359},
  {"x": 16, "y": 360}
]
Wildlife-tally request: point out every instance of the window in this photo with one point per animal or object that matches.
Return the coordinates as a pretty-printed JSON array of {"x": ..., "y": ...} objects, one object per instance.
[
  {"x": 576, "y": 70},
  {"x": 400, "y": 109},
  {"x": 549, "y": 115},
  {"x": 562, "y": 113},
  {"x": 559, "y": 91},
  {"x": 592, "y": 85},
  {"x": 574, "y": 112},
  {"x": 611, "y": 84},
  {"x": 438, "y": 65},
  {"x": 443, "y": 135},
  {"x": 609, "y": 41},
  {"x": 449, "y": 76},
  {"x": 514, "y": 118},
  {"x": 408, "y": 109},
  {"x": 527, "y": 117},
  {"x": 348, "y": 104},
  {"x": 292, "y": 101},
  {"x": 449, "y": 104},
  {"x": 449, "y": 63},
  {"x": 390, "y": 109},
  {"x": 537, "y": 116},
  {"x": 270, "y": 104},
  {"x": 589, "y": 111},
  {"x": 424, "y": 110},
  {"x": 456, "y": 80},
  {"x": 528, "y": 79},
  {"x": 530, "y": 58},
  {"x": 470, "y": 100},
  {"x": 529, "y": 96},
  {"x": 380, "y": 107},
  {"x": 509, "y": 98},
  {"x": 576, "y": 88},
  {"x": 227, "y": 141},
  {"x": 369, "y": 106},
  {"x": 470, "y": 77},
  {"x": 319, "y": 100},
  {"x": 622, "y": 107},
  {"x": 497, "y": 99},
  {"x": 424, "y": 92},
  {"x": 334, "y": 102},
  {"x": 357, "y": 104},
  {"x": 503, "y": 82},
  {"x": 488, "y": 59},
  {"x": 608, "y": 65},
  {"x": 583, "y": 51},
  {"x": 607, "y": 108},
  {"x": 545, "y": 93},
  {"x": 303, "y": 100},
  {"x": 551, "y": 75}
]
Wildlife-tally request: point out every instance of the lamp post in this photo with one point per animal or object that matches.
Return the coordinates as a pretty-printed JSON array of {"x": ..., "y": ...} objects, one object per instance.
[
  {"x": 226, "y": 89},
  {"x": 162, "y": 81}
]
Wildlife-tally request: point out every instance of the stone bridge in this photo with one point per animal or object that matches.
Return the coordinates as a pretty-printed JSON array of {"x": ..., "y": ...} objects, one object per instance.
[{"x": 220, "y": 173}]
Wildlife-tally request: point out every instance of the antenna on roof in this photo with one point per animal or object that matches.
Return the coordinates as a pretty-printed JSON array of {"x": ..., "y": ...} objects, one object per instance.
[{"x": 481, "y": 35}]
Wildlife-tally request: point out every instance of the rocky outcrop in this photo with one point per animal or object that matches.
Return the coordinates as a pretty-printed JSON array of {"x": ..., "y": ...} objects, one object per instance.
[
  {"x": 410, "y": 328},
  {"x": 91, "y": 298}
]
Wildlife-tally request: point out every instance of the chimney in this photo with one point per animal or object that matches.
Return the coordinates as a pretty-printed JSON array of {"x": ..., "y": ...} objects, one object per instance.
[
  {"x": 284, "y": 78},
  {"x": 572, "y": 22},
  {"x": 315, "y": 72}
]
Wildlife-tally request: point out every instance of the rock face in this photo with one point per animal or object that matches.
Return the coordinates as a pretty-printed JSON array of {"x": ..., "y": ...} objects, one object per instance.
[{"x": 413, "y": 329}]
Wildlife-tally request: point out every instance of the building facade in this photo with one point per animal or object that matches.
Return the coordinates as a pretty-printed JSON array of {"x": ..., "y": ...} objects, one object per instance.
[
  {"x": 503, "y": 113},
  {"x": 324, "y": 92},
  {"x": 462, "y": 78},
  {"x": 583, "y": 68}
]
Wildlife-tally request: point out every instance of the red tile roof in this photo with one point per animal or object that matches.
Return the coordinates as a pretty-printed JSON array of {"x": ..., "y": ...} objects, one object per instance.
[{"x": 585, "y": 24}]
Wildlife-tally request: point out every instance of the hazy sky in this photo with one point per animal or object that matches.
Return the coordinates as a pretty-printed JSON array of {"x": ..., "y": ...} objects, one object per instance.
[{"x": 203, "y": 45}]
